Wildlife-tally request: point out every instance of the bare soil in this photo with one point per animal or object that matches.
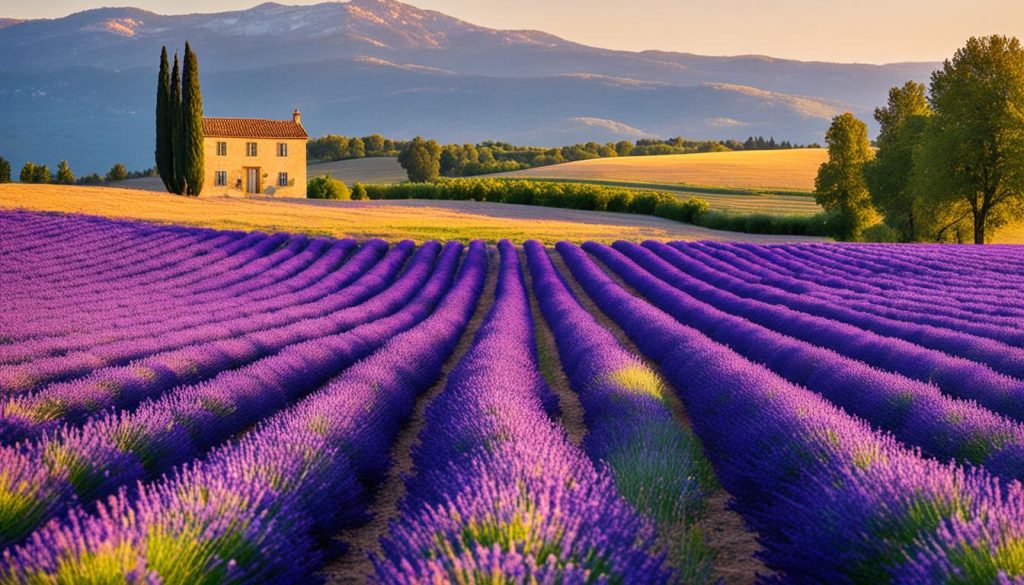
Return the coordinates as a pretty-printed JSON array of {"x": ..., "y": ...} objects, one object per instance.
[
  {"x": 355, "y": 566},
  {"x": 551, "y": 366},
  {"x": 723, "y": 529}
]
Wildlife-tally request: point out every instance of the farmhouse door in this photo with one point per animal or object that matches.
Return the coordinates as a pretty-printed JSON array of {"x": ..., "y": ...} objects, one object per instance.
[{"x": 252, "y": 180}]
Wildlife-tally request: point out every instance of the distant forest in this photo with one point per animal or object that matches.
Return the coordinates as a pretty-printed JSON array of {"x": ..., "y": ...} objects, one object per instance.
[{"x": 465, "y": 160}]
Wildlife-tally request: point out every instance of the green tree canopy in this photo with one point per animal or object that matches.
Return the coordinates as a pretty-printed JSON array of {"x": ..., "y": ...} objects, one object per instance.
[
  {"x": 356, "y": 148},
  {"x": 971, "y": 161},
  {"x": 421, "y": 160},
  {"x": 64, "y": 174},
  {"x": 903, "y": 121},
  {"x": 28, "y": 173},
  {"x": 840, "y": 187},
  {"x": 374, "y": 144},
  {"x": 117, "y": 173},
  {"x": 5, "y": 170}
]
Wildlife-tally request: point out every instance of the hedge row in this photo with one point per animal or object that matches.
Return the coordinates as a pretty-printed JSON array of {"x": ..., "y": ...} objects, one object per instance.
[{"x": 594, "y": 197}]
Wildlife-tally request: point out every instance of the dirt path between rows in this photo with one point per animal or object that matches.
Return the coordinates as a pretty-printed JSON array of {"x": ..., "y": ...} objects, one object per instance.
[
  {"x": 355, "y": 566},
  {"x": 551, "y": 365},
  {"x": 723, "y": 529}
]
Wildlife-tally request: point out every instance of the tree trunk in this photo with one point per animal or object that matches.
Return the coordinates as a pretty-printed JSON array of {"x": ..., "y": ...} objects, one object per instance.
[{"x": 979, "y": 227}]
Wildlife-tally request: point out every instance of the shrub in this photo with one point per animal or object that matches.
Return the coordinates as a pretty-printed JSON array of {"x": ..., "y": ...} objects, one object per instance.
[
  {"x": 762, "y": 223},
  {"x": 359, "y": 192},
  {"x": 326, "y": 187},
  {"x": 602, "y": 198},
  {"x": 686, "y": 211}
]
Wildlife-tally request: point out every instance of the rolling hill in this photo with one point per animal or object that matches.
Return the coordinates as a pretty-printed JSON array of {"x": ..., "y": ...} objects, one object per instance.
[
  {"x": 383, "y": 66},
  {"x": 770, "y": 170}
]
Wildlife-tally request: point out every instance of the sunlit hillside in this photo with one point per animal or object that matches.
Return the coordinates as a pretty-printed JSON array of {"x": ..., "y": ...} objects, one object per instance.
[
  {"x": 783, "y": 170},
  {"x": 391, "y": 220}
]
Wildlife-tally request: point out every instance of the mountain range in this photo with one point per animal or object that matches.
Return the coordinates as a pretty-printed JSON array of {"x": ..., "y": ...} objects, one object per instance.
[{"x": 83, "y": 87}]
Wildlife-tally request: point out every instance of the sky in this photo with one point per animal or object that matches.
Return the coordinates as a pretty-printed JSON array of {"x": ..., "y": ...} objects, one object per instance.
[{"x": 864, "y": 31}]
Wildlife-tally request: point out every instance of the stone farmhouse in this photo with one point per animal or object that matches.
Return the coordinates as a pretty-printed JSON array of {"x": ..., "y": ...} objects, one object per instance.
[{"x": 251, "y": 157}]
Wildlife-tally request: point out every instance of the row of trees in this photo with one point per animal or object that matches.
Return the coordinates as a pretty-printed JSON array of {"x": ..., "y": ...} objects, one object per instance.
[
  {"x": 335, "y": 147},
  {"x": 950, "y": 160},
  {"x": 41, "y": 174},
  {"x": 179, "y": 124},
  {"x": 464, "y": 160}
]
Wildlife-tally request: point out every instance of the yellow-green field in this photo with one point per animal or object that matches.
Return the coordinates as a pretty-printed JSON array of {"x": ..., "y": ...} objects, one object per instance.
[
  {"x": 769, "y": 170},
  {"x": 391, "y": 220},
  {"x": 779, "y": 170},
  {"x": 361, "y": 170}
]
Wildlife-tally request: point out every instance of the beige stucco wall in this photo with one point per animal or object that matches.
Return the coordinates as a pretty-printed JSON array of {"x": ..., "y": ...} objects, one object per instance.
[{"x": 266, "y": 159}]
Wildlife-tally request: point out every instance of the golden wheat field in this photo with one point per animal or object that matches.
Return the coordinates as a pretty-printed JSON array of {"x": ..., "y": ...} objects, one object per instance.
[
  {"x": 783, "y": 170},
  {"x": 391, "y": 220}
]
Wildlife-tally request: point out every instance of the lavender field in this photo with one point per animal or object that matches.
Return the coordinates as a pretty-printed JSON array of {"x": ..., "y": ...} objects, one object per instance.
[{"x": 184, "y": 405}]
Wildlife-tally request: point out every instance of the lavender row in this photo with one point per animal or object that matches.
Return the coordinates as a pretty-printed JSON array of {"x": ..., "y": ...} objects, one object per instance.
[
  {"x": 87, "y": 462},
  {"x": 164, "y": 271},
  {"x": 77, "y": 255},
  {"x": 901, "y": 347},
  {"x": 832, "y": 500},
  {"x": 124, "y": 387},
  {"x": 334, "y": 269},
  {"x": 358, "y": 279},
  {"x": 658, "y": 466},
  {"x": 258, "y": 509},
  {"x": 499, "y": 494},
  {"x": 983, "y": 296},
  {"x": 931, "y": 311},
  {"x": 205, "y": 264},
  {"x": 916, "y": 412}
]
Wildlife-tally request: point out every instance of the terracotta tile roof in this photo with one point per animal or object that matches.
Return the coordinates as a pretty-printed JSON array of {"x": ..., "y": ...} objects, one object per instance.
[{"x": 252, "y": 128}]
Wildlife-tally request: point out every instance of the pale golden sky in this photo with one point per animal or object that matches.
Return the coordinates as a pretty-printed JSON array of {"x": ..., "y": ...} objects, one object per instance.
[{"x": 872, "y": 31}]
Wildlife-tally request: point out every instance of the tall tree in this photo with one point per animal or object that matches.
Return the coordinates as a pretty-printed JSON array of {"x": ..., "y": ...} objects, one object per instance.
[
  {"x": 973, "y": 152},
  {"x": 41, "y": 174},
  {"x": 839, "y": 186},
  {"x": 64, "y": 174},
  {"x": 903, "y": 121},
  {"x": 5, "y": 170},
  {"x": 28, "y": 173},
  {"x": 177, "y": 132},
  {"x": 164, "y": 146},
  {"x": 192, "y": 123},
  {"x": 421, "y": 160}
]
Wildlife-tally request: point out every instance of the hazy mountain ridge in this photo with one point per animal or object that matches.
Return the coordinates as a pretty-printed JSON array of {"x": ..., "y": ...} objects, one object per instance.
[{"x": 384, "y": 66}]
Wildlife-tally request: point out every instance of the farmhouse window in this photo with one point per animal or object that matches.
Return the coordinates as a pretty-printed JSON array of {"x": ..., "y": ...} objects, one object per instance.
[
  {"x": 222, "y": 149},
  {"x": 221, "y": 178},
  {"x": 282, "y": 179},
  {"x": 282, "y": 149},
  {"x": 250, "y": 149}
]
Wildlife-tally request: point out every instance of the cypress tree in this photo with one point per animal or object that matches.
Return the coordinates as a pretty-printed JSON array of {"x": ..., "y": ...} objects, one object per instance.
[
  {"x": 164, "y": 146},
  {"x": 192, "y": 120},
  {"x": 177, "y": 132}
]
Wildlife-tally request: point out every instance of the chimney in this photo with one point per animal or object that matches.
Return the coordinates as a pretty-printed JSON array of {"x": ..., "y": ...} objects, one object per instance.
[{"x": 297, "y": 117}]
